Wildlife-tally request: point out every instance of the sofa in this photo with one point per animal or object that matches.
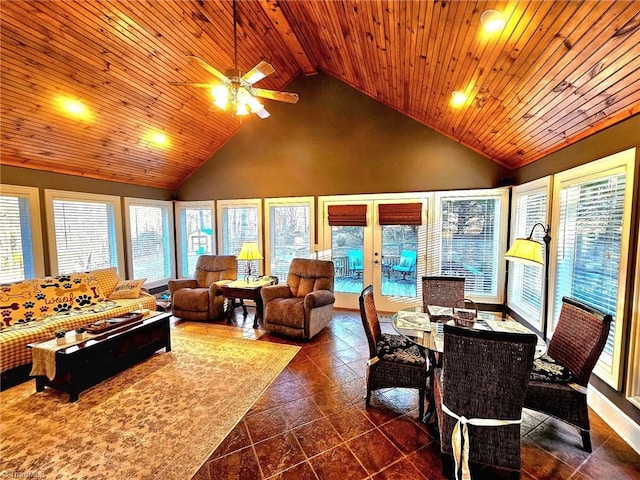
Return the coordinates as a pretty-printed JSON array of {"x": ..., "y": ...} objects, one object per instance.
[{"x": 34, "y": 310}]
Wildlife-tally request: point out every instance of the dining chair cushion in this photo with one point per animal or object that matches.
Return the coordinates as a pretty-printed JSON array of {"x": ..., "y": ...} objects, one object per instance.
[
  {"x": 546, "y": 369},
  {"x": 397, "y": 349}
]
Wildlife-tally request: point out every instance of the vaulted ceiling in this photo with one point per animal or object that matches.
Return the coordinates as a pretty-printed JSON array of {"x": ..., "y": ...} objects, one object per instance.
[{"x": 557, "y": 72}]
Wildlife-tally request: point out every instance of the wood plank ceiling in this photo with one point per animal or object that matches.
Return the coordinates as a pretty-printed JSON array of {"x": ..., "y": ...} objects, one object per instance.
[{"x": 558, "y": 71}]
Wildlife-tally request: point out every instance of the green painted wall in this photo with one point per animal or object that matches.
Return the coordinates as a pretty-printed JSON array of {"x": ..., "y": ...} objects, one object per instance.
[
  {"x": 336, "y": 140},
  {"x": 57, "y": 181},
  {"x": 614, "y": 139}
]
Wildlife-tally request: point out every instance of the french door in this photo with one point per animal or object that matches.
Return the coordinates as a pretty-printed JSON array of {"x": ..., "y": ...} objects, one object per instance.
[{"x": 379, "y": 242}]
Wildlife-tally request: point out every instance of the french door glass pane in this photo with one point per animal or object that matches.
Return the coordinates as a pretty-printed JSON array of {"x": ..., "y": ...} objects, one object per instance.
[
  {"x": 239, "y": 224},
  {"x": 347, "y": 253},
  {"x": 469, "y": 243},
  {"x": 85, "y": 235},
  {"x": 589, "y": 247},
  {"x": 399, "y": 254},
  {"x": 16, "y": 252},
  {"x": 290, "y": 237},
  {"x": 196, "y": 228},
  {"x": 150, "y": 248}
]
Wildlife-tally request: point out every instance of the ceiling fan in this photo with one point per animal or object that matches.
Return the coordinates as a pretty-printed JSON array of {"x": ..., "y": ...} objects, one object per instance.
[{"x": 236, "y": 92}]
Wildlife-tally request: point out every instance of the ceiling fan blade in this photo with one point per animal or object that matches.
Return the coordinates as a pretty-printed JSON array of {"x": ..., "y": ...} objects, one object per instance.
[
  {"x": 274, "y": 95},
  {"x": 263, "y": 114},
  {"x": 209, "y": 68},
  {"x": 189, "y": 84},
  {"x": 258, "y": 72}
]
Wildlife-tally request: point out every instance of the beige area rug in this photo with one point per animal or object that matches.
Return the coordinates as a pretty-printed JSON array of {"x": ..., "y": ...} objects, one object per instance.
[{"x": 160, "y": 419}]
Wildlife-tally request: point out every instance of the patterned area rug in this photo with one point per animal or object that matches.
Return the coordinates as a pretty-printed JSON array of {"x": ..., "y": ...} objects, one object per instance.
[{"x": 160, "y": 419}]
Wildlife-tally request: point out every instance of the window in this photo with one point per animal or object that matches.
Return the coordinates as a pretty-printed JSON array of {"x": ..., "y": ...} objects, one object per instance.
[
  {"x": 289, "y": 222},
  {"x": 468, "y": 240},
  {"x": 240, "y": 221},
  {"x": 525, "y": 285},
  {"x": 21, "y": 254},
  {"x": 85, "y": 231},
  {"x": 590, "y": 231},
  {"x": 150, "y": 239},
  {"x": 195, "y": 227}
]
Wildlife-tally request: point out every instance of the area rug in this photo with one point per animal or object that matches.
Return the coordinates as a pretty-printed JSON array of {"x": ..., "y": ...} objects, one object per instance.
[{"x": 160, "y": 419}]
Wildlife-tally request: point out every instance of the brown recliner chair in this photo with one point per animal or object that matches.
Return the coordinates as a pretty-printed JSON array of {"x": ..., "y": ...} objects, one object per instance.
[
  {"x": 201, "y": 298},
  {"x": 303, "y": 306}
]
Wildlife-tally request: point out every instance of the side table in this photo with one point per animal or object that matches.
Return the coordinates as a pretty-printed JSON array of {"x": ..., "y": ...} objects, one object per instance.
[{"x": 242, "y": 290}]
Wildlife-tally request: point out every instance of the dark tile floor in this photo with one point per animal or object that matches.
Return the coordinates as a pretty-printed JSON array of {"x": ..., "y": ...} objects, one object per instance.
[{"x": 311, "y": 423}]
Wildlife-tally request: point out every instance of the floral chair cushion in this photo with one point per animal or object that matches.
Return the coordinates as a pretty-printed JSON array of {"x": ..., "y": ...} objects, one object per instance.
[
  {"x": 546, "y": 369},
  {"x": 397, "y": 349}
]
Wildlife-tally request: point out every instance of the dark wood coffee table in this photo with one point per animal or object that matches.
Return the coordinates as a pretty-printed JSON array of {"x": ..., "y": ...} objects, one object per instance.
[{"x": 85, "y": 364}]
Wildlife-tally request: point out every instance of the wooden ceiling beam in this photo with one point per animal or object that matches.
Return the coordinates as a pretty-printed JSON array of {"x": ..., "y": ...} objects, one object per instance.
[{"x": 283, "y": 27}]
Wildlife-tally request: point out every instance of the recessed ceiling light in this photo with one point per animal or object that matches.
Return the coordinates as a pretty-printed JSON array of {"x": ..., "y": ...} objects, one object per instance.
[
  {"x": 159, "y": 138},
  {"x": 73, "y": 108},
  {"x": 458, "y": 98},
  {"x": 492, "y": 20}
]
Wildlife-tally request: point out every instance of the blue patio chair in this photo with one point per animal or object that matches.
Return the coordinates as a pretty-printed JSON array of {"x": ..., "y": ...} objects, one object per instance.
[
  {"x": 407, "y": 263},
  {"x": 354, "y": 261}
]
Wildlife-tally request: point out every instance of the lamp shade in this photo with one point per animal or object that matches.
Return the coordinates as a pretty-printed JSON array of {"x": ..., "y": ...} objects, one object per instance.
[
  {"x": 249, "y": 251},
  {"x": 527, "y": 251}
]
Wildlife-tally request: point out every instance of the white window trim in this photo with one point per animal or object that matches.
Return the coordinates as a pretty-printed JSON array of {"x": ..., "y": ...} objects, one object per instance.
[
  {"x": 51, "y": 195},
  {"x": 633, "y": 360},
  {"x": 128, "y": 202},
  {"x": 179, "y": 206},
  {"x": 544, "y": 183},
  {"x": 620, "y": 162},
  {"x": 279, "y": 202},
  {"x": 33, "y": 194},
  {"x": 433, "y": 265}
]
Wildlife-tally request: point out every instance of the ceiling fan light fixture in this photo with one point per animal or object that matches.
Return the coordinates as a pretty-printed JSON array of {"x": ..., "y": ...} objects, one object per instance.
[{"x": 492, "y": 20}]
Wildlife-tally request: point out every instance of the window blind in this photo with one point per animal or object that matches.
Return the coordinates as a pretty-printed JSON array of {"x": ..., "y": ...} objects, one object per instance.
[
  {"x": 290, "y": 236},
  {"x": 347, "y": 215},
  {"x": 469, "y": 238},
  {"x": 400, "y": 214},
  {"x": 525, "y": 281},
  {"x": 150, "y": 242},
  {"x": 85, "y": 237},
  {"x": 589, "y": 247},
  {"x": 239, "y": 225},
  {"x": 16, "y": 250}
]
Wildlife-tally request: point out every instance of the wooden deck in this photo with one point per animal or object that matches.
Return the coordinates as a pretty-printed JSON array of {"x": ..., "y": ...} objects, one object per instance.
[{"x": 390, "y": 287}]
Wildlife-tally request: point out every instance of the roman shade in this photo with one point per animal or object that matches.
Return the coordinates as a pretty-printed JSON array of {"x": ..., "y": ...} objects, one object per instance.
[
  {"x": 348, "y": 215},
  {"x": 400, "y": 214}
]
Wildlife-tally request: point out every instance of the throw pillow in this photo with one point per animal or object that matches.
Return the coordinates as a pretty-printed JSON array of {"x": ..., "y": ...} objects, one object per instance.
[{"x": 127, "y": 289}]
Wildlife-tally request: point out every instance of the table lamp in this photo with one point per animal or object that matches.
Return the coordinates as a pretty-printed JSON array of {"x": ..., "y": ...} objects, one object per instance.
[
  {"x": 249, "y": 252},
  {"x": 529, "y": 252}
]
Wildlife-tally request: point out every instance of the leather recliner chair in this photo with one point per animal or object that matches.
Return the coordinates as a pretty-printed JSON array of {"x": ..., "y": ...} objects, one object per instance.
[
  {"x": 303, "y": 306},
  {"x": 201, "y": 298}
]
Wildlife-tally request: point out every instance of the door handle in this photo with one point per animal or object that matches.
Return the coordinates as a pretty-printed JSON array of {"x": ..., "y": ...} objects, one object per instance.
[{"x": 376, "y": 261}]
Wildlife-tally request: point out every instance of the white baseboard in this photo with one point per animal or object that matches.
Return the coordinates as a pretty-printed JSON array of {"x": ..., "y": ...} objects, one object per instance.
[{"x": 617, "y": 420}]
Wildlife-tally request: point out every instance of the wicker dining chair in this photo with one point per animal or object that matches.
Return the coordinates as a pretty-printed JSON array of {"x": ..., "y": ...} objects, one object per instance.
[
  {"x": 442, "y": 291},
  {"x": 484, "y": 375},
  {"x": 558, "y": 385},
  {"x": 394, "y": 361}
]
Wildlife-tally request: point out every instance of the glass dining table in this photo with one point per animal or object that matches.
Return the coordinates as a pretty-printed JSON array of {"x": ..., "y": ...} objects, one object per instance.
[{"x": 427, "y": 330}]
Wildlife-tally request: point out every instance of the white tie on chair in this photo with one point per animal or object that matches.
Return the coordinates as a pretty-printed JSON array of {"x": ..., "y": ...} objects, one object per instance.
[{"x": 461, "y": 431}]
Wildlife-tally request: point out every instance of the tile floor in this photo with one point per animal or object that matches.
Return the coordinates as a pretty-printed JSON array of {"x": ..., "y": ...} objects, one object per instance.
[{"x": 311, "y": 423}]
